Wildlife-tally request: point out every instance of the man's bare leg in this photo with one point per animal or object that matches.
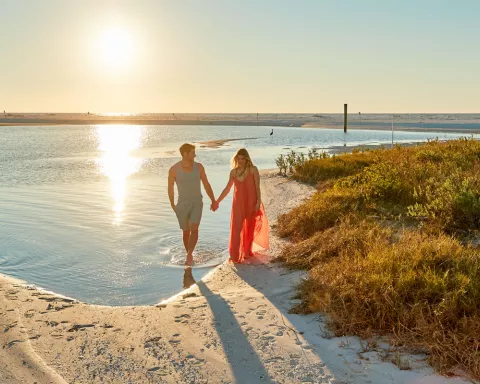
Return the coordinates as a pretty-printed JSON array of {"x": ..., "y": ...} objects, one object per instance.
[
  {"x": 186, "y": 237},
  {"x": 192, "y": 242}
]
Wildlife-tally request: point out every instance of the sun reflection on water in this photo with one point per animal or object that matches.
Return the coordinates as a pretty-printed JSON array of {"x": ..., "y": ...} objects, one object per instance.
[{"x": 116, "y": 143}]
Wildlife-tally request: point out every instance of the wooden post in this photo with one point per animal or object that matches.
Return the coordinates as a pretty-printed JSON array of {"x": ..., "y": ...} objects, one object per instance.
[{"x": 345, "y": 118}]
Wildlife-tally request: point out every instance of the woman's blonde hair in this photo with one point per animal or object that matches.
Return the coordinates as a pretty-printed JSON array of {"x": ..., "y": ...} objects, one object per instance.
[{"x": 242, "y": 152}]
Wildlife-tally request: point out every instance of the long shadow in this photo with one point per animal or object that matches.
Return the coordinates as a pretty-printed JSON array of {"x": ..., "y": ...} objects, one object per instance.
[
  {"x": 278, "y": 286},
  {"x": 244, "y": 362}
]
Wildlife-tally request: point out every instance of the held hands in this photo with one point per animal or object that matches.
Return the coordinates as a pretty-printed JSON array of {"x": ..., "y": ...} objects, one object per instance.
[{"x": 214, "y": 206}]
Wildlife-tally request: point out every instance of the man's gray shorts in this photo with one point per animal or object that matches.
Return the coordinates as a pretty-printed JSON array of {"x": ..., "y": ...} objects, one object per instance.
[{"x": 188, "y": 212}]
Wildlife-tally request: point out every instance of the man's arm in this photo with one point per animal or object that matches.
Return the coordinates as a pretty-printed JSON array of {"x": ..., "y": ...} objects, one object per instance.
[
  {"x": 171, "y": 189},
  {"x": 206, "y": 184}
]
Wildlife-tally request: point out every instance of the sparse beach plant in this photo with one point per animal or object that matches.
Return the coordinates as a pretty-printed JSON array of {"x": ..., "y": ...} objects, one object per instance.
[
  {"x": 312, "y": 153},
  {"x": 282, "y": 165},
  {"x": 291, "y": 158}
]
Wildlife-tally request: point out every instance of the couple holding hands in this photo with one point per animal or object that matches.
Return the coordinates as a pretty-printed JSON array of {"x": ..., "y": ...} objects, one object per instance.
[{"x": 249, "y": 228}]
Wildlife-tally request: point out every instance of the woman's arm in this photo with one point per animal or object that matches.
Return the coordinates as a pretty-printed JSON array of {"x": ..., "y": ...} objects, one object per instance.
[
  {"x": 256, "y": 177},
  {"x": 227, "y": 188}
]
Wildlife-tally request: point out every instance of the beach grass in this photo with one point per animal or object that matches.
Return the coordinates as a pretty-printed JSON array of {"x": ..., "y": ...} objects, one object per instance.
[{"x": 390, "y": 244}]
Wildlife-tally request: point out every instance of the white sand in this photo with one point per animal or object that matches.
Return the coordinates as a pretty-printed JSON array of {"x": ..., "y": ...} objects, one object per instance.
[{"x": 231, "y": 327}]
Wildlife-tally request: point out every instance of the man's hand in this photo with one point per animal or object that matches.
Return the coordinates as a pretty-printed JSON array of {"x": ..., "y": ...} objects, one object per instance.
[
  {"x": 174, "y": 207},
  {"x": 214, "y": 206}
]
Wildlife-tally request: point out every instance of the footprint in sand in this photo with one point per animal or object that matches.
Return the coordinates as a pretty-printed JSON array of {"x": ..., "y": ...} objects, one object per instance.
[
  {"x": 274, "y": 359},
  {"x": 13, "y": 342},
  {"x": 183, "y": 317},
  {"x": 173, "y": 341},
  {"x": 51, "y": 323},
  {"x": 57, "y": 335},
  {"x": 10, "y": 326},
  {"x": 260, "y": 314},
  {"x": 81, "y": 327},
  {"x": 159, "y": 371},
  {"x": 252, "y": 335},
  {"x": 192, "y": 360},
  {"x": 267, "y": 338},
  {"x": 148, "y": 343}
]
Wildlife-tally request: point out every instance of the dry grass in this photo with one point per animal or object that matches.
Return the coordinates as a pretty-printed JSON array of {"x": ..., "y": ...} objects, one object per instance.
[{"x": 420, "y": 284}]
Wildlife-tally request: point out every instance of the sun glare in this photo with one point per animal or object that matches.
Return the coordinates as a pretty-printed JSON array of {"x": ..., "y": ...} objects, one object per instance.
[
  {"x": 115, "y": 143},
  {"x": 115, "y": 48}
]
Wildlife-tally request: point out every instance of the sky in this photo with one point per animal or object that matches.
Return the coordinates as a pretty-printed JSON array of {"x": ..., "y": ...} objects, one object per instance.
[{"x": 214, "y": 56}]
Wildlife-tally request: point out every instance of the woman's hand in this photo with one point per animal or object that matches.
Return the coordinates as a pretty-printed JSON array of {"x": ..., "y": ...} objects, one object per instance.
[{"x": 214, "y": 206}]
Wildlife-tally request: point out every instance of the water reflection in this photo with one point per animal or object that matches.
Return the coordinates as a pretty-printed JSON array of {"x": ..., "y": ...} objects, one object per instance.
[
  {"x": 116, "y": 142},
  {"x": 188, "y": 279}
]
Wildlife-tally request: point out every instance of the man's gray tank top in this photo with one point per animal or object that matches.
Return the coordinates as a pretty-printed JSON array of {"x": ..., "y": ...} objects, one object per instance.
[{"x": 188, "y": 184}]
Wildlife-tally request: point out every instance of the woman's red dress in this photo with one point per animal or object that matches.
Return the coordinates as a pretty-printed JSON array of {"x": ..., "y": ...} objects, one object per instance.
[{"x": 249, "y": 230}]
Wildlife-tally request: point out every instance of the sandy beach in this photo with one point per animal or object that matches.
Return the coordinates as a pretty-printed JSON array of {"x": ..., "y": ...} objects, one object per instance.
[
  {"x": 233, "y": 326},
  {"x": 465, "y": 123}
]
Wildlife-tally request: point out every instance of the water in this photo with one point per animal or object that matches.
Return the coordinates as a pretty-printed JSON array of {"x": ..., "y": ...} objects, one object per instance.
[{"x": 84, "y": 210}]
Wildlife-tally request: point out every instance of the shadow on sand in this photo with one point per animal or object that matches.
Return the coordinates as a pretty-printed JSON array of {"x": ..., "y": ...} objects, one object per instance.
[{"x": 244, "y": 362}]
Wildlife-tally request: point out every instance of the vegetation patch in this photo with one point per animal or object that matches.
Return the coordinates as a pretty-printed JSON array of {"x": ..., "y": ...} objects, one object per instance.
[{"x": 389, "y": 242}]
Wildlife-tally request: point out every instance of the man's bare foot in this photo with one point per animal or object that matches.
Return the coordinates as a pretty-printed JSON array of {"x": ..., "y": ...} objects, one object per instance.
[{"x": 189, "y": 261}]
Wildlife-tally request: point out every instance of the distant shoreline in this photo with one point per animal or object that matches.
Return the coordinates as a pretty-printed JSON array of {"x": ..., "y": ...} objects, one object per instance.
[{"x": 458, "y": 123}]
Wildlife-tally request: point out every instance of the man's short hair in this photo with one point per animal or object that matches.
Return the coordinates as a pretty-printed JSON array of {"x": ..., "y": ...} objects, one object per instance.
[{"x": 185, "y": 148}]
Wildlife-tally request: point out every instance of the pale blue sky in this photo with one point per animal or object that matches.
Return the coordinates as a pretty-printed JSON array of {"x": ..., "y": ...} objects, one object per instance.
[{"x": 239, "y": 56}]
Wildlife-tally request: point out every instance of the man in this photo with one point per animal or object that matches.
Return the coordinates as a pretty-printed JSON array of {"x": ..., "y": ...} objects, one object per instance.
[{"x": 187, "y": 175}]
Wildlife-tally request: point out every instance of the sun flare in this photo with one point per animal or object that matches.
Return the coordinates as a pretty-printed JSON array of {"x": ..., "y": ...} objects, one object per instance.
[{"x": 115, "y": 48}]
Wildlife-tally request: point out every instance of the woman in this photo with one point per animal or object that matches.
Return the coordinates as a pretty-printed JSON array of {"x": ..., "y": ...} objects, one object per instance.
[{"x": 249, "y": 228}]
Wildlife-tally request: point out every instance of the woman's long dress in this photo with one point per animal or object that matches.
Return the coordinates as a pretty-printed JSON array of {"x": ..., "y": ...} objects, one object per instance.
[{"x": 249, "y": 230}]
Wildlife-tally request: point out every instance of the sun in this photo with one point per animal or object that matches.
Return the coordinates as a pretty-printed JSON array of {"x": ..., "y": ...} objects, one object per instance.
[{"x": 115, "y": 48}]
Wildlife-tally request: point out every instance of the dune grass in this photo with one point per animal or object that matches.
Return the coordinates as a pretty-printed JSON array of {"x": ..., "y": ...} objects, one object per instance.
[{"x": 388, "y": 247}]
